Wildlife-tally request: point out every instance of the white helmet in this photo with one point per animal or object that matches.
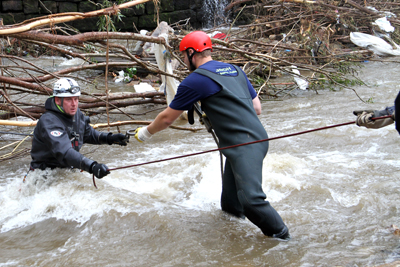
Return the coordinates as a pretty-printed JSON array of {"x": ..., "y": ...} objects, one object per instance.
[{"x": 66, "y": 87}]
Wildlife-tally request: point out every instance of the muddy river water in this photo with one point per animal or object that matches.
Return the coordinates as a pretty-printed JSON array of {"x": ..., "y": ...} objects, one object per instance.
[{"x": 336, "y": 189}]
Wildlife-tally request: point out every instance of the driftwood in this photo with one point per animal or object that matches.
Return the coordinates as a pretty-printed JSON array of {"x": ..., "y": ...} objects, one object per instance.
[
  {"x": 22, "y": 83},
  {"x": 89, "y": 103},
  {"x": 80, "y": 39},
  {"x": 122, "y": 95},
  {"x": 18, "y": 123},
  {"x": 95, "y": 126},
  {"x": 313, "y": 36},
  {"x": 65, "y": 17},
  {"x": 137, "y": 122}
]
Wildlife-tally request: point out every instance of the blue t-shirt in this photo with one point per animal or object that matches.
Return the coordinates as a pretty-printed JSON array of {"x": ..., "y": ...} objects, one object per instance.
[{"x": 197, "y": 87}]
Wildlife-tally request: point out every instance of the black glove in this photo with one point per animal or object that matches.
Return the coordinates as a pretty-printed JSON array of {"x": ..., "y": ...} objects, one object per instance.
[
  {"x": 119, "y": 139},
  {"x": 99, "y": 170}
]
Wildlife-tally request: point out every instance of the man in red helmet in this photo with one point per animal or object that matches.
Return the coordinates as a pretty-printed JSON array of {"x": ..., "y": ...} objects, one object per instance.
[{"x": 231, "y": 105}]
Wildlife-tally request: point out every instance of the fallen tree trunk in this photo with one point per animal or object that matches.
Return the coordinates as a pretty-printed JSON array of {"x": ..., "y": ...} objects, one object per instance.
[
  {"x": 87, "y": 67},
  {"x": 122, "y": 103},
  {"x": 15, "y": 106},
  {"x": 79, "y": 39},
  {"x": 37, "y": 87},
  {"x": 72, "y": 70},
  {"x": 121, "y": 123},
  {"x": 65, "y": 17},
  {"x": 18, "y": 123},
  {"x": 36, "y": 112},
  {"x": 123, "y": 95},
  {"x": 13, "y": 112}
]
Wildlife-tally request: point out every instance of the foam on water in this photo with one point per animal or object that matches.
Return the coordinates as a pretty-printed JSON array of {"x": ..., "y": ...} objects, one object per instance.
[
  {"x": 63, "y": 194},
  {"x": 69, "y": 195},
  {"x": 282, "y": 174},
  {"x": 207, "y": 192},
  {"x": 72, "y": 62}
]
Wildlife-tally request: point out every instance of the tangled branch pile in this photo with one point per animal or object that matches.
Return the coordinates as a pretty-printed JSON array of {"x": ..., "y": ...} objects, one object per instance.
[
  {"x": 314, "y": 36},
  {"x": 283, "y": 37},
  {"x": 279, "y": 39}
]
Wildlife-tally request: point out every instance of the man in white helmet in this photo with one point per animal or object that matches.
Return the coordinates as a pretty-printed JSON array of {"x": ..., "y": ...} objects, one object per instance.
[{"x": 63, "y": 129}]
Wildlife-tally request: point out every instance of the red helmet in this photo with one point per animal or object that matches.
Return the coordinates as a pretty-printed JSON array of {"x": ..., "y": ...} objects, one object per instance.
[{"x": 197, "y": 40}]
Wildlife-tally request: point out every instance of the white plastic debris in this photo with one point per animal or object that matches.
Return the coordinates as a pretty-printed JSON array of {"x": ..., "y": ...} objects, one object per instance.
[
  {"x": 138, "y": 46},
  {"x": 164, "y": 61},
  {"x": 120, "y": 77},
  {"x": 374, "y": 44},
  {"x": 384, "y": 24},
  {"x": 382, "y": 13},
  {"x": 303, "y": 84},
  {"x": 143, "y": 87}
]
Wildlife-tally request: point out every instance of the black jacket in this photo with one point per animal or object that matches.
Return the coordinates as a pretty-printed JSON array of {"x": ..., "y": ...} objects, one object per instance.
[{"x": 59, "y": 137}]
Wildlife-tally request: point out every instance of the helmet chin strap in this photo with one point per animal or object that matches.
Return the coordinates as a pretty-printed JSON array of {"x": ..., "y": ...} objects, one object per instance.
[
  {"x": 192, "y": 67},
  {"x": 61, "y": 106}
]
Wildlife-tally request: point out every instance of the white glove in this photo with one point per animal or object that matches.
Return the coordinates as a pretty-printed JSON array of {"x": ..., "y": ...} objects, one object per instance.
[{"x": 142, "y": 134}]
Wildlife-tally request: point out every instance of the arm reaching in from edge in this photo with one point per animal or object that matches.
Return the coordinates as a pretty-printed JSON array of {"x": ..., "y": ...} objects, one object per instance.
[{"x": 364, "y": 118}]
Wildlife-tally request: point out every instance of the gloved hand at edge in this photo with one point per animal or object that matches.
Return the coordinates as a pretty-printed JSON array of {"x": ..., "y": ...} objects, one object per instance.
[
  {"x": 118, "y": 138},
  {"x": 99, "y": 170},
  {"x": 365, "y": 120},
  {"x": 142, "y": 134}
]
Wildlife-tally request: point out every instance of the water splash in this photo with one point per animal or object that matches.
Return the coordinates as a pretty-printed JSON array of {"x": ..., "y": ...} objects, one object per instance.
[{"x": 214, "y": 14}]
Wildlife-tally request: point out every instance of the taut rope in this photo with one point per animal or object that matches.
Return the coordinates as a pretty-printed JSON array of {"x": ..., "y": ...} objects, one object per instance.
[{"x": 244, "y": 144}]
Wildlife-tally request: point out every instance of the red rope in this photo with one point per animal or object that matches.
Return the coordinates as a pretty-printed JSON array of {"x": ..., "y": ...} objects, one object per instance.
[{"x": 244, "y": 144}]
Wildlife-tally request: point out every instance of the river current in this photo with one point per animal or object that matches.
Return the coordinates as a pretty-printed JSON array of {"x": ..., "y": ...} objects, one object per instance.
[{"x": 336, "y": 189}]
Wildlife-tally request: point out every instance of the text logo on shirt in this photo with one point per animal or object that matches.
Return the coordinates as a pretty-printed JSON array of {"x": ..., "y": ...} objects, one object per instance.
[
  {"x": 56, "y": 133},
  {"x": 226, "y": 71}
]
